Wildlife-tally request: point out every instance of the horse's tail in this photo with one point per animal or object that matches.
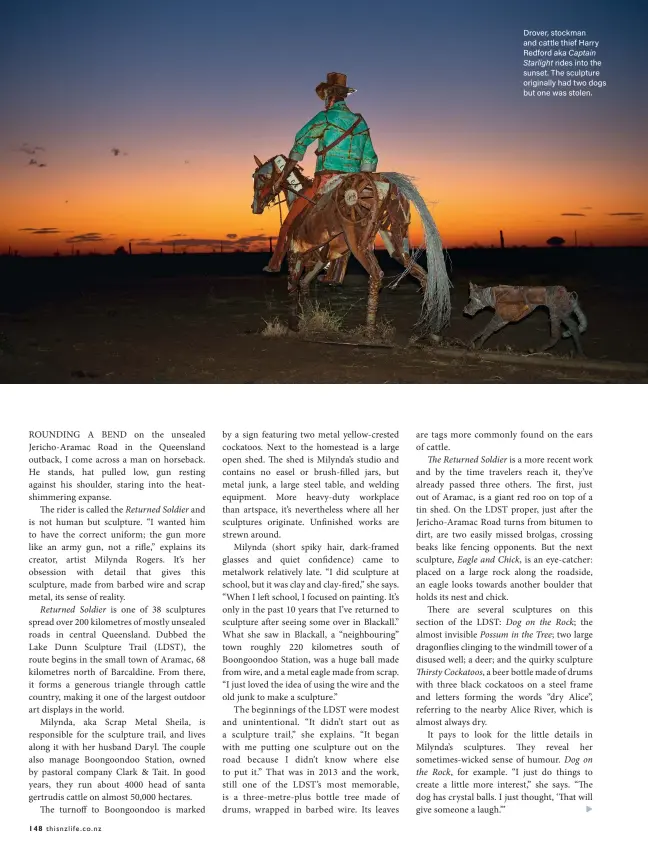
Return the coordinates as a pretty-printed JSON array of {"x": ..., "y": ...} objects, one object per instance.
[
  {"x": 435, "y": 312},
  {"x": 580, "y": 316}
]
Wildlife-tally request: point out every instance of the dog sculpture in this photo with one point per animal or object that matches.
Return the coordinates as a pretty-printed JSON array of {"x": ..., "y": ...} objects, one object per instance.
[{"x": 513, "y": 303}]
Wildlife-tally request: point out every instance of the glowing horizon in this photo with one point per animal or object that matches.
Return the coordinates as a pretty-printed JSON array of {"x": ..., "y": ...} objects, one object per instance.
[{"x": 147, "y": 131}]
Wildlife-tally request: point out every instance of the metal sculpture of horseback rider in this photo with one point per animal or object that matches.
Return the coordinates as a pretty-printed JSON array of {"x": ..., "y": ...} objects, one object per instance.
[
  {"x": 344, "y": 147},
  {"x": 344, "y": 209}
]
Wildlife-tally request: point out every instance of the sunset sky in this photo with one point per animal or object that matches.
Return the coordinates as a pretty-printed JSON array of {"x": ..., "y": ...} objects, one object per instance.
[{"x": 146, "y": 116}]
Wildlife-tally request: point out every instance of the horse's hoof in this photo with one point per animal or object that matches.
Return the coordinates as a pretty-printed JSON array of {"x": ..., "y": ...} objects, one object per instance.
[
  {"x": 268, "y": 269},
  {"x": 293, "y": 324}
]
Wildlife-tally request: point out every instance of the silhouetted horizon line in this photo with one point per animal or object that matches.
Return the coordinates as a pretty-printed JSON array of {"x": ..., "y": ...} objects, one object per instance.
[{"x": 239, "y": 253}]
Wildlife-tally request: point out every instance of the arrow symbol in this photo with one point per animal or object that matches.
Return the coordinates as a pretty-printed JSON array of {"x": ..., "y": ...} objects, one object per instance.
[{"x": 587, "y": 808}]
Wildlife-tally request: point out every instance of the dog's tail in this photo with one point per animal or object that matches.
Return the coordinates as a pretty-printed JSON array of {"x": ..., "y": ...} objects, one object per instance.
[{"x": 580, "y": 316}]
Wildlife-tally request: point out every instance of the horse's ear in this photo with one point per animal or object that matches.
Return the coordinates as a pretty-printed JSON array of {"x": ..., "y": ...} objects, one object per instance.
[
  {"x": 259, "y": 163},
  {"x": 472, "y": 286}
]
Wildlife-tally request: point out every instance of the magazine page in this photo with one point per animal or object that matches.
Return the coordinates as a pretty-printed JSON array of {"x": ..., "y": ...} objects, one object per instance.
[
  {"x": 323, "y": 373},
  {"x": 231, "y": 611}
]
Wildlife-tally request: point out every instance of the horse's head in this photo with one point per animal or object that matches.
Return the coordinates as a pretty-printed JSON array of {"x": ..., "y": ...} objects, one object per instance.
[
  {"x": 479, "y": 299},
  {"x": 265, "y": 182}
]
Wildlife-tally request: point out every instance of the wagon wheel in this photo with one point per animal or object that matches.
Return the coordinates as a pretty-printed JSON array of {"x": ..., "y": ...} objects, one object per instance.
[{"x": 356, "y": 198}]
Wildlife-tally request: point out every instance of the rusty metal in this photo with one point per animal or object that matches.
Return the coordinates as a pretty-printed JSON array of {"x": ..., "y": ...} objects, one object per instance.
[
  {"x": 335, "y": 271},
  {"x": 337, "y": 81},
  {"x": 513, "y": 303},
  {"x": 329, "y": 127},
  {"x": 355, "y": 198},
  {"x": 330, "y": 229}
]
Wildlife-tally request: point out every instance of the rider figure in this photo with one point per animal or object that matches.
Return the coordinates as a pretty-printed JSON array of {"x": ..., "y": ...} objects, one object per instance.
[{"x": 344, "y": 147}]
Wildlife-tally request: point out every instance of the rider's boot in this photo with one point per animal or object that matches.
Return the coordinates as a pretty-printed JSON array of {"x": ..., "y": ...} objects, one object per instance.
[{"x": 274, "y": 265}]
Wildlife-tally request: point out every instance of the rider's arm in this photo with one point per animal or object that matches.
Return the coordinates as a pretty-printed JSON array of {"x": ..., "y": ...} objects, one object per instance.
[
  {"x": 313, "y": 130},
  {"x": 369, "y": 158}
]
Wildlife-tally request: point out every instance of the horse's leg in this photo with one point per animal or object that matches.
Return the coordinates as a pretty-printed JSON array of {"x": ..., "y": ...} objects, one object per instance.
[
  {"x": 304, "y": 283},
  {"x": 496, "y": 323},
  {"x": 395, "y": 237},
  {"x": 295, "y": 269},
  {"x": 330, "y": 268},
  {"x": 572, "y": 325},
  {"x": 360, "y": 238},
  {"x": 336, "y": 271},
  {"x": 395, "y": 244},
  {"x": 369, "y": 261}
]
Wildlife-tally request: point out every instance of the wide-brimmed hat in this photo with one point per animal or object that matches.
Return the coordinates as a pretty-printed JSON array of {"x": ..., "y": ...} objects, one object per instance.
[{"x": 334, "y": 80}]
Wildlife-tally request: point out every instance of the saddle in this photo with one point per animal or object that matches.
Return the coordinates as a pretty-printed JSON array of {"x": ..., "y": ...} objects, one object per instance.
[{"x": 344, "y": 196}]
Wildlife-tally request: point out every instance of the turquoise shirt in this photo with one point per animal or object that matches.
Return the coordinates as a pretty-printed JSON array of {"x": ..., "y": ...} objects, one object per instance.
[{"x": 353, "y": 154}]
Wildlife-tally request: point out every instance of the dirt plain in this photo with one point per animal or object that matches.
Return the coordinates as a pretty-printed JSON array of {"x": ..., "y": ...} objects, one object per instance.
[{"x": 199, "y": 319}]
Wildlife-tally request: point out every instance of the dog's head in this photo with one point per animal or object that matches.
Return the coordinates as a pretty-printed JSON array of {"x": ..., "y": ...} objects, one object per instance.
[{"x": 479, "y": 299}]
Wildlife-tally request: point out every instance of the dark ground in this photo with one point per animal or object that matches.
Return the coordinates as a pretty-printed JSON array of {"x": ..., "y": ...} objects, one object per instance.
[{"x": 198, "y": 318}]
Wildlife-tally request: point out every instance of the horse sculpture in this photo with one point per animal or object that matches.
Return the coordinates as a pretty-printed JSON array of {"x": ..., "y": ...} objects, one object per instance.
[{"x": 343, "y": 220}]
